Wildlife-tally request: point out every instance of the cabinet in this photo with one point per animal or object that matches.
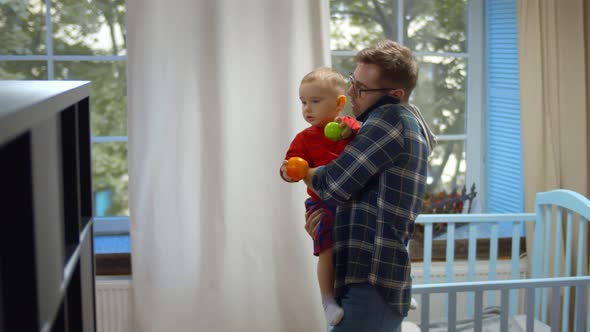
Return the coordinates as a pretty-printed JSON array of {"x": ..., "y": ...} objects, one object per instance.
[{"x": 46, "y": 242}]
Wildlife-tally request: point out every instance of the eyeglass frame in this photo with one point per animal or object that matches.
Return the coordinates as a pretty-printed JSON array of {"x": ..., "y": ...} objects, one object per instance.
[{"x": 358, "y": 91}]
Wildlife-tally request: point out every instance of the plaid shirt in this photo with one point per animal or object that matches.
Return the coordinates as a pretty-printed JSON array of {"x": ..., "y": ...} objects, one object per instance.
[{"x": 378, "y": 184}]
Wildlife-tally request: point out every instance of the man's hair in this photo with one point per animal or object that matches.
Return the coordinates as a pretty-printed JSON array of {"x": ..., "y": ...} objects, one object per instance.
[
  {"x": 328, "y": 76},
  {"x": 397, "y": 63}
]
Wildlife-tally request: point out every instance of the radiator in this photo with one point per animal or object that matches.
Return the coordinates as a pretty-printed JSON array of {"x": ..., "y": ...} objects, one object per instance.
[
  {"x": 113, "y": 294},
  {"x": 113, "y": 304}
]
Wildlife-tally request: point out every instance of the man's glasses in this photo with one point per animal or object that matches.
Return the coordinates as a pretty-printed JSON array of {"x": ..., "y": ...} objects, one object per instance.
[{"x": 358, "y": 91}]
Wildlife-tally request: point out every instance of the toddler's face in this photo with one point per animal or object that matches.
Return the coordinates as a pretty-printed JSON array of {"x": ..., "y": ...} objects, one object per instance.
[{"x": 319, "y": 103}]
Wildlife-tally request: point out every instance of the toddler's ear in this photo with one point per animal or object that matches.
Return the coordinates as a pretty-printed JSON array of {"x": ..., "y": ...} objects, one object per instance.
[{"x": 341, "y": 101}]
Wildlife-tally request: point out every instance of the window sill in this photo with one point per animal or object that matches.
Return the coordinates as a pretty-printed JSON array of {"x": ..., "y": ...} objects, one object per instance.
[
  {"x": 439, "y": 249},
  {"x": 113, "y": 264},
  {"x": 119, "y": 263},
  {"x": 112, "y": 255}
]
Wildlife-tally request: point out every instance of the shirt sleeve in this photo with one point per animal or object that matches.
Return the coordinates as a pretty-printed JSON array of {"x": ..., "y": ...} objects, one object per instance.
[
  {"x": 352, "y": 123},
  {"x": 296, "y": 149},
  {"x": 378, "y": 143}
]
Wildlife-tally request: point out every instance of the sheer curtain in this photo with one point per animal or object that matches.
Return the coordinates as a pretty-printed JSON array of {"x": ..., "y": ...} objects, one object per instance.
[
  {"x": 217, "y": 237},
  {"x": 554, "y": 61}
]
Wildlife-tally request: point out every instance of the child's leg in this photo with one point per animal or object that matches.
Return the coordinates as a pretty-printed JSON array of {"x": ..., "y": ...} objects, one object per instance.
[
  {"x": 326, "y": 273},
  {"x": 332, "y": 310},
  {"x": 322, "y": 247}
]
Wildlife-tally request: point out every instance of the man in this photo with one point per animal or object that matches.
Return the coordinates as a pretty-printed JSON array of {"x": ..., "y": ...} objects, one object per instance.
[{"x": 378, "y": 185}]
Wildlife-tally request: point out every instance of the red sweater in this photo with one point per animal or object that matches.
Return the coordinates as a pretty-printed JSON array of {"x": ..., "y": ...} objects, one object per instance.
[{"x": 311, "y": 145}]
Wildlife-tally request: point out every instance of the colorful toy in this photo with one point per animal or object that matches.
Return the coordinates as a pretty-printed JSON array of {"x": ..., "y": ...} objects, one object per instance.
[
  {"x": 333, "y": 131},
  {"x": 297, "y": 168}
]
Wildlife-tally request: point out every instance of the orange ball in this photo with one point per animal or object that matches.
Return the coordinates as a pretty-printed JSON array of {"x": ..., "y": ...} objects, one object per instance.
[{"x": 297, "y": 168}]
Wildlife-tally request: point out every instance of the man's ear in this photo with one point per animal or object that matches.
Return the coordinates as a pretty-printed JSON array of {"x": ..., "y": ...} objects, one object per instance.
[
  {"x": 401, "y": 93},
  {"x": 341, "y": 102}
]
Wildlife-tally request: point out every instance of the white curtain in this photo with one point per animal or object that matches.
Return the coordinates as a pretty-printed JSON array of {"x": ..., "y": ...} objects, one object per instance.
[
  {"x": 217, "y": 237},
  {"x": 554, "y": 61}
]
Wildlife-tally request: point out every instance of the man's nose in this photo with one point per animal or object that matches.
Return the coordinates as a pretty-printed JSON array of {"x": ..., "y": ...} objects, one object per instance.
[{"x": 350, "y": 91}]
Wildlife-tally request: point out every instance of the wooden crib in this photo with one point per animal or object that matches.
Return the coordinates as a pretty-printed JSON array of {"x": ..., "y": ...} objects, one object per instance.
[{"x": 549, "y": 295}]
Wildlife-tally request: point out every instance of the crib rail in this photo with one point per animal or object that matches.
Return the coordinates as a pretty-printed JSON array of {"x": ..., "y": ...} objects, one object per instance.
[
  {"x": 515, "y": 221},
  {"x": 559, "y": 225},
  {"x": 552, "y": 209},
  {"x": 530, "y": 287}
]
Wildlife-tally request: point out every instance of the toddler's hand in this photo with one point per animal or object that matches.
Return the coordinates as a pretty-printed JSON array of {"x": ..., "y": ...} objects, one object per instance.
[
  {"x": 346, "y": 131},
  {"x": 284, "y": 172}
]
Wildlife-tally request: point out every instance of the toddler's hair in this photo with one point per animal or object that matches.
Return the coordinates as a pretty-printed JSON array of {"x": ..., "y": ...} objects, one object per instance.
[{"x": 329, "y": 76}]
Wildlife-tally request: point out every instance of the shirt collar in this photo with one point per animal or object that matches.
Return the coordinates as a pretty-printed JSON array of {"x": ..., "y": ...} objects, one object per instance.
[{"x": 384, "y": 100}]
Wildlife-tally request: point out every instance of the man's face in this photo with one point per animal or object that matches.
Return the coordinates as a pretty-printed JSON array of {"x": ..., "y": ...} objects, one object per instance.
[{"x": 365, "y": 76}]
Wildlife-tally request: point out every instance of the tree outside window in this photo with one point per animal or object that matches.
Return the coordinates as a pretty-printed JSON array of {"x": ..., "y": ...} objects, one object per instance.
[
  {"x": 77, "y": 40},
  {"x": 86, "y": 40},
  {"x": 436, "y": 31}
]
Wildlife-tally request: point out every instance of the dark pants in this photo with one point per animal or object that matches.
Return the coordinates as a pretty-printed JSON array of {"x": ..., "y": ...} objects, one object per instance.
[{"x": 366, "y": 311}]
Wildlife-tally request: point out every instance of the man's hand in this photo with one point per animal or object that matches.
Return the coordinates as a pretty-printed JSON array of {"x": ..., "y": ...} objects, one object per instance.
[
  {"x": 309, "y": 179},
  {"x": 346, "y": 131},
  {"x": 312, "y": 222}
]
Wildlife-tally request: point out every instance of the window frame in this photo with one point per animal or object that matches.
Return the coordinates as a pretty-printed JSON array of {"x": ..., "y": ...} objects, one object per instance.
[
  {"x": 474, "y": 136},
  {"x": 102, "y": 225}
]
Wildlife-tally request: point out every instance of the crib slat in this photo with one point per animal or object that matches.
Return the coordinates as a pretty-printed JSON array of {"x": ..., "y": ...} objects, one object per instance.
[
  {"x": 492, "y": 275},
  {"x": 565, "y": 310},
  {"x": 565, "y": 313},
  {"x": 538, "y": 227},
  {"x": 471, "y": 265},
  {"x": 450, "y": 255},
  {"x": 555, "y": 299},
  {"x": 580, "y": 271},
  {"x": 504, "y": 310},
  {"x": 530, "y": 308},
  {"x": 582, "y": 230},
  {"x": 515, "y": 258},
  {"x": 425, "y": 312},
  {"x": 557, "y": 249},
  {"x": 452, "y": 315},
  {"x": 580, "y": 308},
  {"x": 427, "y": 252},
  {"x": 547, "y": 245},
  {"x": 588, "y": 310},
  {"x": 450, "y": 258},
  {"x": 478, "y": 312},
  {"x": 568, "y": 244}
]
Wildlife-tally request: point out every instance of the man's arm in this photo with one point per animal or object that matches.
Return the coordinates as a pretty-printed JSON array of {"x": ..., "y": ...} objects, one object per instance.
[
  {"x": 309, "y": 178},
  {"x": 377, "y": 144},
  {"x": 312, "y": 222}
]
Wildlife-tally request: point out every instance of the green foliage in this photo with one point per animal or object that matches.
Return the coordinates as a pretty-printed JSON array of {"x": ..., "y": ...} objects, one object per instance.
[
  {"x": 80, "y": 21},
  {"x": 109, "y": 168},
  {"x": 428, "y": 26},
  {"x": 22, "y": 27},
  {"x": 78, "y": 29}
]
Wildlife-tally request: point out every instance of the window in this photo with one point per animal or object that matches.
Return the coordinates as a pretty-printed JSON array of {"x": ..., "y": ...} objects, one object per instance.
[
  {"x": 445, "y": 36},
  {"x": 79, "y": 40}
]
